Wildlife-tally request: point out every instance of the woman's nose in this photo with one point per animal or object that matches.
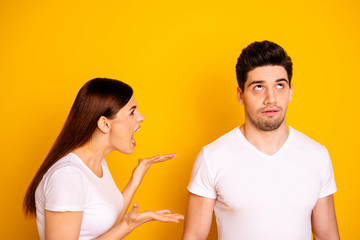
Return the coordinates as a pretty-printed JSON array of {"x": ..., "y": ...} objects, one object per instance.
[{"x": 141, "y": 117}]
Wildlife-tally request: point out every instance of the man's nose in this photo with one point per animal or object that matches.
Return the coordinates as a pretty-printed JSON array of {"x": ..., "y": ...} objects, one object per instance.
[{"x": 270, "y": 97}]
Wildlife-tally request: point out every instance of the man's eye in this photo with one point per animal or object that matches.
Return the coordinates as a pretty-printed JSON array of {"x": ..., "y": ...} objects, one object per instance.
[
  {"x": 280, "y": 85},
  {"x": 258, "y": 87}
]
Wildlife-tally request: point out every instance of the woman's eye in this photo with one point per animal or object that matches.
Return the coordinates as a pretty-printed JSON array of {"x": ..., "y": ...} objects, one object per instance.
[{"x": 132, "y": 112}]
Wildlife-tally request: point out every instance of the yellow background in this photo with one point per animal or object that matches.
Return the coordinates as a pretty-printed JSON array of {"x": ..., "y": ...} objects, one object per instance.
[{"x": 179, "y": 56}]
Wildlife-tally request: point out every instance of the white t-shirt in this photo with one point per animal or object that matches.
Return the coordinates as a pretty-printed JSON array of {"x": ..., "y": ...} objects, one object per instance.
[
  {"x": 69, "y": 185},
  {"x": 260, "y": 196}
]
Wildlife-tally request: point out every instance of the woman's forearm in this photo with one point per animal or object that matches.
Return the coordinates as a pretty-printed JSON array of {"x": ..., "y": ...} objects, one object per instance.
[
  {"x": 136, "y": 178},
  {"x": 128, "y": 194},
  {"x": 131, "y": 187}
]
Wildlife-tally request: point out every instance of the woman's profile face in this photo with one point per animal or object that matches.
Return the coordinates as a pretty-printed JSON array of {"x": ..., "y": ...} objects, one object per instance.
[{"x": 124, "y": 125}]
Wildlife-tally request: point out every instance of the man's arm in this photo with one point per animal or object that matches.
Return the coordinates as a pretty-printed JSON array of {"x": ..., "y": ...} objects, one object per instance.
[
  {"x": 198, "y": 217},
  {"x": 323, "y": 220}
]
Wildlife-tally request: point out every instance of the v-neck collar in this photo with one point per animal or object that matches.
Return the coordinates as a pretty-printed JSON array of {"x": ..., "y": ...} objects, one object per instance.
[
  {"x": 80, "y": 161},
  {"x": 260, "y": 153}
]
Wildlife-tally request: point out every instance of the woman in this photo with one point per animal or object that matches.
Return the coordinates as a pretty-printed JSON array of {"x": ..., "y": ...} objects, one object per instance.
[{"x": 73, "y": 194}]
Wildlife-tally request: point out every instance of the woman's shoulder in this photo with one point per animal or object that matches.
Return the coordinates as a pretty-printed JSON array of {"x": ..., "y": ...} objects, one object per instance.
[
  {"x": 64, "y": 176},
  {"x": 69, "y": 164}
]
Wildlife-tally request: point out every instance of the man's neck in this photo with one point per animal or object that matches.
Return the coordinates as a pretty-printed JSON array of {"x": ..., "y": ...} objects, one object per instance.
[{"x": 268, "y": 142}]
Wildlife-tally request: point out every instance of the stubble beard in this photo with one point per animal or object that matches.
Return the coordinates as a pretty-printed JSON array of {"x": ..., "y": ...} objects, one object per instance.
[{"x": 270, "y": 124}]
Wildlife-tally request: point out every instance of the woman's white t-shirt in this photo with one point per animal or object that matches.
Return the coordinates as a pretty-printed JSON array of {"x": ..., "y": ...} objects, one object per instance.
[{"x": 69, "y": 185}]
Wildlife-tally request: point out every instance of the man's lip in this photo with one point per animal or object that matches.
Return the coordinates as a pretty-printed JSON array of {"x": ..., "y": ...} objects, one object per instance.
[{"x": 270, "y": 110}]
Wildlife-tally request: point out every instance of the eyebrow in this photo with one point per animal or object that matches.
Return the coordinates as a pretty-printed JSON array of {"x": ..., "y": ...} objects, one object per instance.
[
  {"x": 132, "y": 108},
  {"x": 282, "y": 80},
  {"x": 255, "y": 82},
  {"x": 262, "y": 81}
]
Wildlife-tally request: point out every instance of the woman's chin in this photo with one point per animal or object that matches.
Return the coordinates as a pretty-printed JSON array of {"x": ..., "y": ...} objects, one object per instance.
[{"x": 128, "y": 151}]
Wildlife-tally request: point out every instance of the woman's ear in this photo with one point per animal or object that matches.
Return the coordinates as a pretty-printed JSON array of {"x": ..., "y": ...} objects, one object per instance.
[{"x": 104, "y": 124}]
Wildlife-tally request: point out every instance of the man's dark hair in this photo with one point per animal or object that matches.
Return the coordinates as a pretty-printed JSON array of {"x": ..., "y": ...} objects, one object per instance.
[{"x": 259, "y": 54}]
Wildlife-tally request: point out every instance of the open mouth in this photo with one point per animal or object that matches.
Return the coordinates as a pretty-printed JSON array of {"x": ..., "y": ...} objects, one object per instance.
[{"x": 132, "y": 137}]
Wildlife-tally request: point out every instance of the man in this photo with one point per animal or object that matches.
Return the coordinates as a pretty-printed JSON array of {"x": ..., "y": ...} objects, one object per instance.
[{"x": 264, "y": 180}]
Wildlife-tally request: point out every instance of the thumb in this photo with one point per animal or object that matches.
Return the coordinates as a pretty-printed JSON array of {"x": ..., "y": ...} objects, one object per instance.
[{"x": 134, "y": 209}]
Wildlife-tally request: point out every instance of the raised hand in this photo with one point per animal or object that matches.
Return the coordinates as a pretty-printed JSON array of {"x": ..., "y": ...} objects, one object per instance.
[
  {"x": 156, "y": 159},
  {"x": 134, "y": 218},
  {"x": 145, "y": 164},
  {"x": 136, "y": 178}
]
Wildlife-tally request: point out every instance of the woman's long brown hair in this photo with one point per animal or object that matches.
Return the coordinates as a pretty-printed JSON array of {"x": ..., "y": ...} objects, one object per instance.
[{"x": 98, "y": 97}]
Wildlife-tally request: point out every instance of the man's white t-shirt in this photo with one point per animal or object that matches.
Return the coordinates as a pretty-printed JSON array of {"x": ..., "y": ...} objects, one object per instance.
[
  {"x": 69, "y": 185},
  {"x": 259, "y": 196}
]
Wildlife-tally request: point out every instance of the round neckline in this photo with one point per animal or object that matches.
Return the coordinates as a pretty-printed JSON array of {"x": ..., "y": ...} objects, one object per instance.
[
  {"x": 257, "y": 151},
  {"x": 87, "y": 168}
]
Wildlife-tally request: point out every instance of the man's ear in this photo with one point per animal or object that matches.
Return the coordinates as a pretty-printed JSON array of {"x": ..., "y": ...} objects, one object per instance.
[
  {"x": 291, "y": 91},
  {"x": 240, "y": 95},
  {"x": 103, "y": 124}
]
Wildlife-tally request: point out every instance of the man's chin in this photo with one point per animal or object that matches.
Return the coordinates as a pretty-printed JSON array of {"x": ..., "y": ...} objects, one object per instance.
[{"x": 269, "y": 125}]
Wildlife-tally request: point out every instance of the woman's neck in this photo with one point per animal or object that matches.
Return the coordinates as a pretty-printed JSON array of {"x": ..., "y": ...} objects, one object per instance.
[{"x": 92, "y": 155}]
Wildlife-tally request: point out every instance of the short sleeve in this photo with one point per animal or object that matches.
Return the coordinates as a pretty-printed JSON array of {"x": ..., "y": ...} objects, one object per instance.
[
  {"x": 201, "y": 182},
  {"x": 64, "y": 191},
  {"x": 328, "y": 186}
]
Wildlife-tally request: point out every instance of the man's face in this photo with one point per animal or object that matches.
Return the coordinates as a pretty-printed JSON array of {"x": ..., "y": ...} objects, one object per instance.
[{"x": 265, "y": 97}]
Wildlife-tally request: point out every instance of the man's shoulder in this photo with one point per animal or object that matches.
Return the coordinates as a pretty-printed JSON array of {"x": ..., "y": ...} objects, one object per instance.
[
  {"x": 225, "y": 141},
  {"x": 303, "y": 141}
]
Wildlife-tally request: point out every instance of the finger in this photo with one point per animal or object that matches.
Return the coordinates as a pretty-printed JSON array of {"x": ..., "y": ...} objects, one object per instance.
[
  {"x": 158, "y": 158},
  {"x": 134, "y": 209},
  {"x": 170, "y": 155},
  {"x": 163, "y": 218},
  {"x": 162, "y": 158},
  {"x": 163, "y": 211},
  {"x": 168, "y": 217},
  {"x": 153, "y": 216},
  {"x": 149, "y": 159},
  {"x": 175, "y": 215}
]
